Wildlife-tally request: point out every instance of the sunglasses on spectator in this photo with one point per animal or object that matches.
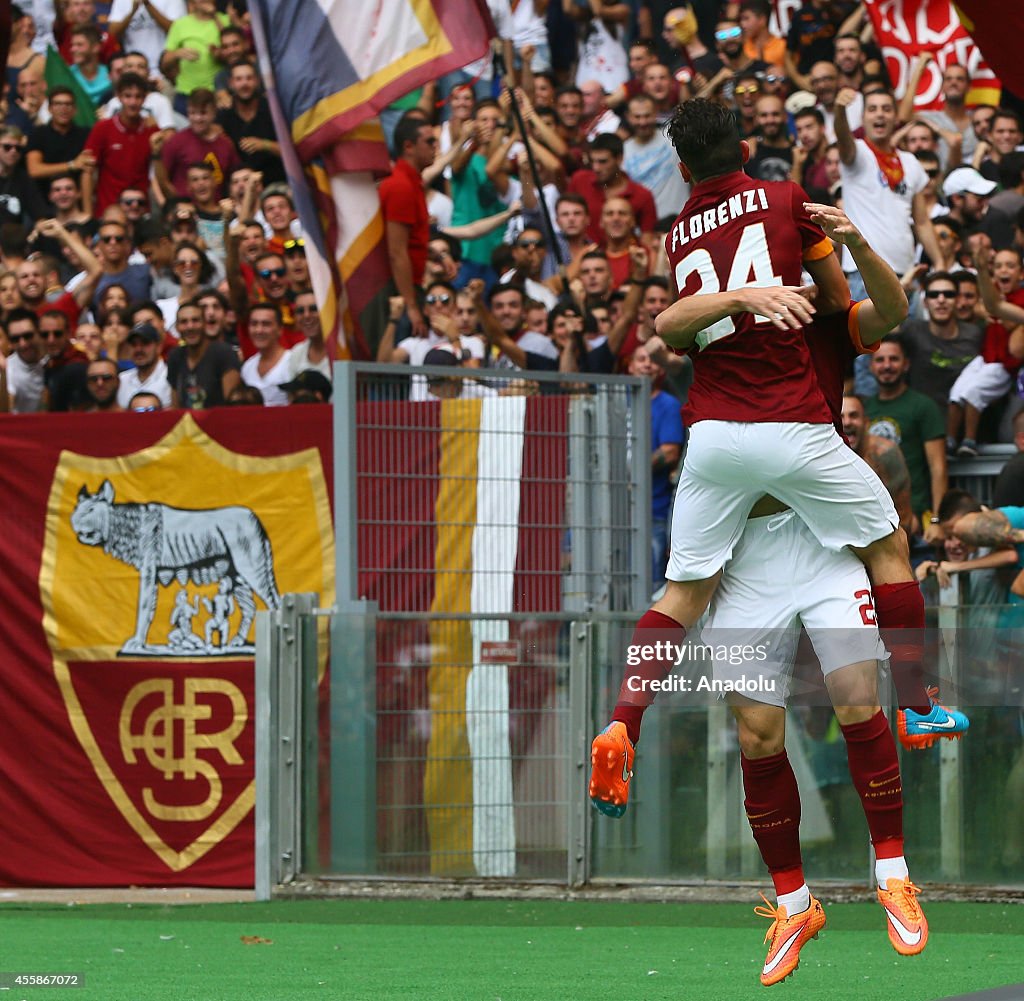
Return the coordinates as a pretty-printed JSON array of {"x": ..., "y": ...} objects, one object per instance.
[
  {"x": 52, "y": 335},
  {"x": 112, "y": 238},
  {"x": 728, "y": 33},
  {"x": 187, "y": 264},
  {"x": 529, "y": 244},
  {"x": 272, "y": 272},
  {"x": 444, "y": 298},
  {"x": 18, "y": 338},
  {"x": 303, "y": 310},
  {"x": 133, "y": 201},
  {"x": 933, "y": 172},
  {"x": 7, "y": 147},
  {"x": 940, "y": 293},
  {"x": 771, "y": 77},
  {"x": 102, "y": 377},
  {"x": 143, "y": 410},
  {"x": 746, "y": 88},
  {"x": 297, "y": 245}
]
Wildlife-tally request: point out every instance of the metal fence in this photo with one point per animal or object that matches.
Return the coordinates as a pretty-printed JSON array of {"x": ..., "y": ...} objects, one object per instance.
[{"x": 493, "y": 556}]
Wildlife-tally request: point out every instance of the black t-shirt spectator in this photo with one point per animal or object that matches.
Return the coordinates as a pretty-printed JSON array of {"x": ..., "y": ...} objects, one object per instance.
[
  {"x": 261, "y": 126},
  {"x": 812, "y": 32},
  {"x": 770, "y": 163},
  {"x": 20, "y": 200},
  {"x": 55, "y": 147},
  {"x": 200, "y": 388},
  {"x": 997, "y": 225}
]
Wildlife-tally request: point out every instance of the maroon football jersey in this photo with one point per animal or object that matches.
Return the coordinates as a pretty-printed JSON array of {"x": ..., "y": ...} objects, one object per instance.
[
  {"x": 736, "y": 232},
  {"x": 834, "y": 342}
]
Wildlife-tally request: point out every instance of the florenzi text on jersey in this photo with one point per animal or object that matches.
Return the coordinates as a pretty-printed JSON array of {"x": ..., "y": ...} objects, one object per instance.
[{"x": 742, "y": 203}]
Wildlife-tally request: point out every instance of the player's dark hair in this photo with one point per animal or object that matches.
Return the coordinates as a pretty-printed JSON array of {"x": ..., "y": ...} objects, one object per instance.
[
  {"x": 956, "y": 503},
  {"x": 705, "y": 138}
]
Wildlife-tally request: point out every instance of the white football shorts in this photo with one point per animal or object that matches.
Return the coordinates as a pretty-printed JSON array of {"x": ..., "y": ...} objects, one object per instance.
[
  {"x": 779, "y": 578},
  {"x": 729, "y": 466}
]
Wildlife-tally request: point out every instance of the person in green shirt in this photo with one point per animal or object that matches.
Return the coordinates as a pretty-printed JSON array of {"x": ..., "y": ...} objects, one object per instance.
[
  {"x": 192, "y": 53},
  {"x": 916, "y": 424},
  {"x": 474, "y": 194}
]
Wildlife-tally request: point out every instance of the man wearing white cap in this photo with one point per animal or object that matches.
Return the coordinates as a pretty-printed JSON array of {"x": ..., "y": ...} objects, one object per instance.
[{"x": 968, "y": 195}]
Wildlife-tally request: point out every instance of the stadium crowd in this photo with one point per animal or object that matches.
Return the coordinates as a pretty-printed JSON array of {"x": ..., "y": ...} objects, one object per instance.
[{"x": 157, "y": 250}]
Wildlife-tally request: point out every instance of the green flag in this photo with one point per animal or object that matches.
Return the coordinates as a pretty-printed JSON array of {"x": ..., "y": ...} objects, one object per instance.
[{"x": 58, "y": 74}]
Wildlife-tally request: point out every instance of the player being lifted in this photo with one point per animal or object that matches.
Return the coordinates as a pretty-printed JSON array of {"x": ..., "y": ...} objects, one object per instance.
[
  {"x": 780, "y": 578},
  {"x": 759, "y": 423}
]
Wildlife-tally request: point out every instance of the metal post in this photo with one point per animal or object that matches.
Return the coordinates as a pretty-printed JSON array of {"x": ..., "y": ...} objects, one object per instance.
[
  {"x": 950, "y": 776},
  {"x": 718, "y": 802},
  {"x": 345, "y": 494},
  {"x": 578, "y": 758},
  {"x": 265, "y": 675}
]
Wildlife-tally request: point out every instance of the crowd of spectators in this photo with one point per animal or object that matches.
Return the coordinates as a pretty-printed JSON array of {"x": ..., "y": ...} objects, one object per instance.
[{"x": 524, "y": 215}]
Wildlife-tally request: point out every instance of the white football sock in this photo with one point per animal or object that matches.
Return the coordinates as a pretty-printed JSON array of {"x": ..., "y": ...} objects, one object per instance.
[
  {"x": 795, "y": 902},
  {"x": 890, "y": 868}
]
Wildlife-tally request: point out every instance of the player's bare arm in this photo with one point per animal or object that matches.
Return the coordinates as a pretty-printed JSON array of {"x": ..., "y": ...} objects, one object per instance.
[
  {"x": 990, "y": 529},
  {"x": 886, "y": 306},
  {"x": 785, "y": 307}
]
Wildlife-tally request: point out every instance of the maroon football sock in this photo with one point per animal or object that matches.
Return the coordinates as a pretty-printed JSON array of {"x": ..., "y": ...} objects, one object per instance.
[
  {"x": 772, "y": 802},
  {"x": 900, "y": 612},
  {"x": 875, "y": 770},
  {"x": 655, "y": 639}
]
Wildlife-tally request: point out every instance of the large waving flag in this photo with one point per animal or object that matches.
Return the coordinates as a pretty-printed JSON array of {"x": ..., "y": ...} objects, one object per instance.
[
  {"x": 997, "y": 28},
  {"x": 903, "y": 28},
  {"x": 330, "y": 66}
]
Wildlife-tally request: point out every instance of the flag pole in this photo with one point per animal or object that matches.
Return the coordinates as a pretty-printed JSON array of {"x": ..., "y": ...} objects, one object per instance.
[{"x": 545, "y": 212}]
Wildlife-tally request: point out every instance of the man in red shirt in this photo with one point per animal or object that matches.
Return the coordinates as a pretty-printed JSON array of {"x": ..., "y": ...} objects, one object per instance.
[
  {"x": 406, "y": 220},
  {"x": 121, "y": 148},
  {"x": 606, "y": 179},
  {"x": 758, "y": 421},
  {"x": 203, "y": 141},
  {"x": 77, "y": 14}
]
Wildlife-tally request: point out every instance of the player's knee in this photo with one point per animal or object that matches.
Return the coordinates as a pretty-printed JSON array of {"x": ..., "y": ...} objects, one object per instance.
[
  {"x": 761, "y": 737},
  {"x": 887, "y": 559},
  {"x": 686, "y": 601},
  {"x": 849, "y": 715}
]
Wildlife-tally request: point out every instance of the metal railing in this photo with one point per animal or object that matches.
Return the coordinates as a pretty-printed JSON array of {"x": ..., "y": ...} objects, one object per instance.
[{"x": 450, "y": 736}]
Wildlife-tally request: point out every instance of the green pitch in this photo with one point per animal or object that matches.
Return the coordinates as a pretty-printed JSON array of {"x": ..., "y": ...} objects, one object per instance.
[{"x": 488, "y": 950}]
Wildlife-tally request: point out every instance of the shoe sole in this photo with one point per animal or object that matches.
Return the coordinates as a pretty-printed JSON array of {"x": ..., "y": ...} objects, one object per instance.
[{"x": 921, "y": 741}]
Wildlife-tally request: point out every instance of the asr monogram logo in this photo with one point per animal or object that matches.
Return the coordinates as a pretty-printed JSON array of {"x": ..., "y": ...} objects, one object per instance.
[
  {"x": 155, "y": 565},
  {"x": 167, "y": 725}
]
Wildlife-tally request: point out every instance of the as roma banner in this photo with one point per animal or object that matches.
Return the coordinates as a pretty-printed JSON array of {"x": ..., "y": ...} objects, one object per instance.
[
  {"x": 903, "y": 28},
  {"x": 137, "y": 549}
]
